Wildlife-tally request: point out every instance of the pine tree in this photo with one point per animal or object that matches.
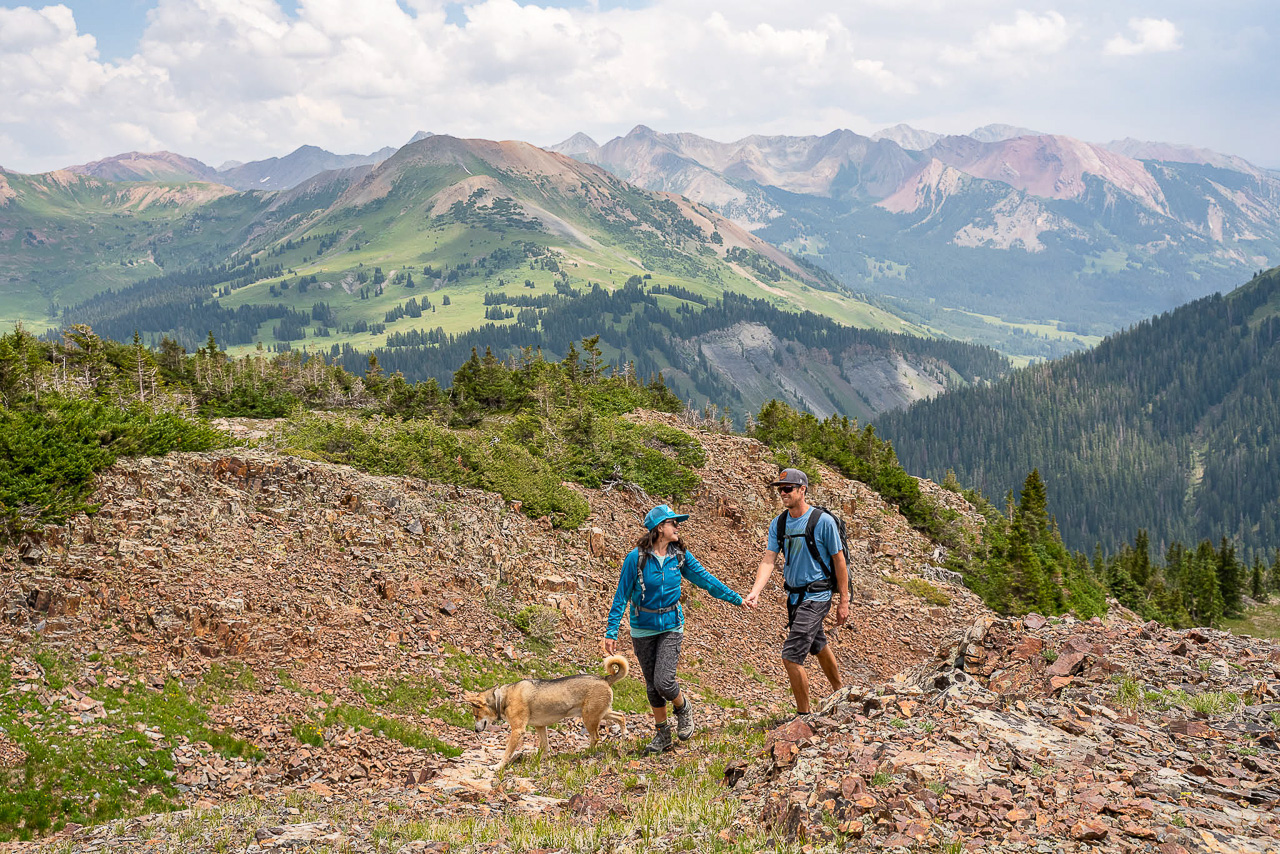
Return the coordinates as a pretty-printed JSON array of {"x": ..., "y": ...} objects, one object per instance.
[
  {"x": 1258, "y": 581},
  {"x": 1203, "y": 598},
  {"x": 1230, "y": 579}
]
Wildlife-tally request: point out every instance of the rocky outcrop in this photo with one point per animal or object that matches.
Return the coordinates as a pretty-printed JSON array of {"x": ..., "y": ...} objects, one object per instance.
[{"x": 1035, "y": 734}]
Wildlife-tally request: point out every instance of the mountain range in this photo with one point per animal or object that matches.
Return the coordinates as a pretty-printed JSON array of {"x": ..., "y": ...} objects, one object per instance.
[
  {"x": 274, "y": 173},
  {"x": 1003, "y": 222},
  {"x": 449, "y": 244},
  {"x": 1036, "y": 244}
]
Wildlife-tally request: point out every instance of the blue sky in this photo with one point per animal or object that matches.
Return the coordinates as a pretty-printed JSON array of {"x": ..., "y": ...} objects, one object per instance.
[{"x": 247, "y": 79}]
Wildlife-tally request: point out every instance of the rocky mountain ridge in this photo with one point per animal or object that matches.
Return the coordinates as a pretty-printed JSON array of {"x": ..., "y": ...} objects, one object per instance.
[
  {"x": 1078, "y": 224},
  {"x": 321, "y": 582}
]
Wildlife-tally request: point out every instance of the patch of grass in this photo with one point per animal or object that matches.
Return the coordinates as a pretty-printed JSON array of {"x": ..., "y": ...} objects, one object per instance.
[
  {"x": 756, "y": 675},
  {"x": 1049, "y": 655},
  {"x": 538, "y": 623},
  {"x": 1131, "y": 695},
  {"x": 924, "y": 590},
  {"x": 880, "y": 779},
  {"x": 222, "y": 679},
  {"x": 406, "y": 734},
  {"x": 90, "y": 772},
  {"x": 414, "y": 695},
  {"x": 308, "y": 732},
  {"x": 1214, "y": 702},
  {"x": 710, "y": 695},
  {"x": 1262, "y": 621}
]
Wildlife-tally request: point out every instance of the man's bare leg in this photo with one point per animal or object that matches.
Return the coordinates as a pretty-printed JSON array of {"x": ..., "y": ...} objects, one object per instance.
[
  {"x": 830, "y": 668},
  {"x": 799, "y": 685}
]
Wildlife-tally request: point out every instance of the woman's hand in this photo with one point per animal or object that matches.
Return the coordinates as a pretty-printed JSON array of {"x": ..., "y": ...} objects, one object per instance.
[{"x": 610, "y": 646}]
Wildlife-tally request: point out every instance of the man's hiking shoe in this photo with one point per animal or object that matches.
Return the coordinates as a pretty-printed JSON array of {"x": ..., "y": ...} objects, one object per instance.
[
  {"x": 662, "y": 742},
  {"x": 684, "y": 719}
]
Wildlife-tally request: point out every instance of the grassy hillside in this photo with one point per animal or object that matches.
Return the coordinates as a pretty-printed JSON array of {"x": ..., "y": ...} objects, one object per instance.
[{"x": 65, "y": 237}]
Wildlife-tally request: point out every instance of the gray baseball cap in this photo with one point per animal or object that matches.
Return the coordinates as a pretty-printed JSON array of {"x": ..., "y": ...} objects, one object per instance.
[{"x": 791, "y": 477}]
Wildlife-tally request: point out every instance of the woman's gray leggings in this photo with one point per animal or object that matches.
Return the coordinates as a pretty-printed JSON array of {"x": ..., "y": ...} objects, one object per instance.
[{"x": 658, "y": 656}]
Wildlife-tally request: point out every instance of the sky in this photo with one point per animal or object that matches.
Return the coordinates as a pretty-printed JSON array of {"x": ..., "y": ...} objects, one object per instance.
[{"x": 244, "y": 80}]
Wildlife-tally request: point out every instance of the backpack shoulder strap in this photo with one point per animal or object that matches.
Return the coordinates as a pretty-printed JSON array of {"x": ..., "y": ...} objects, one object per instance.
[
  {"x": 780, "y": 531},
  {"x": 641, "y": 557},
  {"x": 811, "y": 539}
]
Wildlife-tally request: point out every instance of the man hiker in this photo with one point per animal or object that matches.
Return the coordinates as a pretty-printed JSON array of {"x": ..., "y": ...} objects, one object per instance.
[{"x": 809, "y": 582}]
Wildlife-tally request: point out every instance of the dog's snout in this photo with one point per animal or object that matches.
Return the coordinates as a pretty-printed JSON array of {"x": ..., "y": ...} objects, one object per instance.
[{"x": 482, "y": 725}]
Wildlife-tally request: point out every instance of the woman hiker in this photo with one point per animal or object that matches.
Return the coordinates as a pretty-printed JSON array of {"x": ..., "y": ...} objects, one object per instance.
[{"x": 650, "y": 583}]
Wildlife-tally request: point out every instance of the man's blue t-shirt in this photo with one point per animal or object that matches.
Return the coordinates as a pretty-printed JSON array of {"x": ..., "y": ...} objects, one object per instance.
[{"x": 800, "y": 568}]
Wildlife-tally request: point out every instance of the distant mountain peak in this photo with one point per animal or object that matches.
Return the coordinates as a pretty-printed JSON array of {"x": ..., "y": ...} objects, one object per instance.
[
  {"x": 1001, "y": 132},
  {"x": 419, "y": 136},
  {"x": 579, "y": 143},
  {"x": 147, "y": 166},
  {"x": 908, "y": 137}
]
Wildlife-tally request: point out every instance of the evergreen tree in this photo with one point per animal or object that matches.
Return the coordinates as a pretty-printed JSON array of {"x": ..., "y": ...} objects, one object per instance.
[
  {"x": 1230, "y": 579},
  {"x": 1203, "y": 598},
  {"x": 1258, "y": 580}
]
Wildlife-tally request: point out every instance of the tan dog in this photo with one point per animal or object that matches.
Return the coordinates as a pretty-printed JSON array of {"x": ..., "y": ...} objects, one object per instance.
[{"x": 539, "y": 703}]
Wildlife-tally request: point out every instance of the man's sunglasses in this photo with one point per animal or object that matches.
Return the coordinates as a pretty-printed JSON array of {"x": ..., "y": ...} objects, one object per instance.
[{"x": 785, "y": 489}]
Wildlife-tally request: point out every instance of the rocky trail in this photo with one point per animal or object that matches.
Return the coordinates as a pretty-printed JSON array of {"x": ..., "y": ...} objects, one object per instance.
[{"x": 329, "y": 621}]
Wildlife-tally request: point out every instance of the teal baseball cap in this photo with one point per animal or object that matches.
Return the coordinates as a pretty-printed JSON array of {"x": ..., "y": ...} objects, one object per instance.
[{"x": 660, "y": 514}]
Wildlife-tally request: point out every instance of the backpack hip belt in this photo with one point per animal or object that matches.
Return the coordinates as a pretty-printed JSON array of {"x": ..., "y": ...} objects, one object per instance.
[
  {"x": 657, "y": 610},
  {"x": 819, "y": 586}
]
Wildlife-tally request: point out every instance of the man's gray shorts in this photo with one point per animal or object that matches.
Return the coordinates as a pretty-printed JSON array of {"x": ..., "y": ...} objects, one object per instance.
[{"x": 806, "y": 637}]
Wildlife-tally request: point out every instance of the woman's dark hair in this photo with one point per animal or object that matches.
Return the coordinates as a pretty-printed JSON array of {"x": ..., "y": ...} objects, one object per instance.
[{"x": 650, "y": 539}]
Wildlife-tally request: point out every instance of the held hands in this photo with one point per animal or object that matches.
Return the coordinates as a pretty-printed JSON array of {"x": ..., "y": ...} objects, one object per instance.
[{"x": 752, "y": 600}]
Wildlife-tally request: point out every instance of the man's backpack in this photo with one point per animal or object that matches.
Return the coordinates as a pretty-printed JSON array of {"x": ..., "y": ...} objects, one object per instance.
[
  {"x": 780, "y": 534},
  {"x": 828, "y": 583}
]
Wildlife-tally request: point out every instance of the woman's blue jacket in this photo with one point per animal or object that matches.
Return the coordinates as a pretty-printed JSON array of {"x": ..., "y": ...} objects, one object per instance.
[{"x": 660, "y": 591}]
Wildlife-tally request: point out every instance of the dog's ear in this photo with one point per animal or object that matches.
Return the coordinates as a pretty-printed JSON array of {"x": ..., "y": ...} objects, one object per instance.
[{"x": 470, "y": 697}]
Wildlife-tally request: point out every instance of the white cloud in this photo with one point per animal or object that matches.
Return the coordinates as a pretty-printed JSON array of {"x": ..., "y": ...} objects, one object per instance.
[
  {"x": 1152, "y": 35},
  {"x": 1028, "y": 37},
  {"x": 244, "y": 79}
]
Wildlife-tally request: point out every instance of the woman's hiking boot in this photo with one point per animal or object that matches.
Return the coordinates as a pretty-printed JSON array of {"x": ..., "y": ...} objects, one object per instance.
[
  {"x": 662, "y": 742},
  {"x": 684, "y": 720}
]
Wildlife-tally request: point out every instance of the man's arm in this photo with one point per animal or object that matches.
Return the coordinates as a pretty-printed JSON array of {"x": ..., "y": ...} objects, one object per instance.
[
  {"x": 765, "y": 570},
  {"x": 842, "y": 585}
]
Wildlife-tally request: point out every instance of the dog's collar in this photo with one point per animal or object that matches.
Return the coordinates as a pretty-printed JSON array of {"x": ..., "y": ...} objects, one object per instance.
[{"x": 497, "y": 702}]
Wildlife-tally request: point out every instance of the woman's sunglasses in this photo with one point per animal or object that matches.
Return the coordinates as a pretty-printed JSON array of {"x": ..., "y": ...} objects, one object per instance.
[{"x": 785, "y": 489}]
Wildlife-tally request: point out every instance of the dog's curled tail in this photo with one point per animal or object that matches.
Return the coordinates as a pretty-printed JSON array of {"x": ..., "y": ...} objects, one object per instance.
[{"x": 615, "y": 668}]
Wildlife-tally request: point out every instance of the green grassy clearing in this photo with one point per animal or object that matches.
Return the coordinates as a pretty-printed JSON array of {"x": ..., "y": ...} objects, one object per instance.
[{"x": 1260, "y": 622}]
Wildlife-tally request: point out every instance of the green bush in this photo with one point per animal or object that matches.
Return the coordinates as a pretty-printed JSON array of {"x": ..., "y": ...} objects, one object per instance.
[
  {"x": 50, "y": 452},
  {"x": 424, "y": 449}
]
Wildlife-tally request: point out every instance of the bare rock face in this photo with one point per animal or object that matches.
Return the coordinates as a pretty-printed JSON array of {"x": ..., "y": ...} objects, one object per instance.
[{"x": 994, "y": 745}]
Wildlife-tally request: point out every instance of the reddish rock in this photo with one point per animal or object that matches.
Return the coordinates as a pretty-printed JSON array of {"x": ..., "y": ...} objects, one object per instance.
[
  {"x": 1089, "y": 831},
  {"x": 1067, "y": 664}
]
